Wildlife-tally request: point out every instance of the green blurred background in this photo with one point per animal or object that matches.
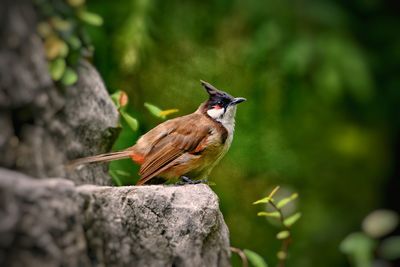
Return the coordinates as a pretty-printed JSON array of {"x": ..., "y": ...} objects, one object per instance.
[{"x": 322, "y": 116}]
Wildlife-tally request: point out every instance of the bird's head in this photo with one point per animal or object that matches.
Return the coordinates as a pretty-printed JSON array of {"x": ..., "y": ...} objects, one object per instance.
[{"x": 220, "y": 106}]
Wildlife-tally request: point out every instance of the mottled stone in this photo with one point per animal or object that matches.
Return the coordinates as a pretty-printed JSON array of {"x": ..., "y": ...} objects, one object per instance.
[
  {"x": 45, "y": 124},
  {"x": 52, "y": 222}
]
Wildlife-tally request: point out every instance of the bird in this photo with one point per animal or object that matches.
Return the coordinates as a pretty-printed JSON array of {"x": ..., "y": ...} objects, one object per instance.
[{"x": 185, "y": 148}]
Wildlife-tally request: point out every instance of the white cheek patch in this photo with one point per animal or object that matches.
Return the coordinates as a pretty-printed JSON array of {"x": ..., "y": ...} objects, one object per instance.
[{"x": 215, "y": 113}]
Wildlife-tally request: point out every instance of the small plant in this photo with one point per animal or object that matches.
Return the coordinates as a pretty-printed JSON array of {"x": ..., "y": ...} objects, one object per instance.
[
  {"x": 284, "y": 235},
  {"x": 121, "y": 100}
]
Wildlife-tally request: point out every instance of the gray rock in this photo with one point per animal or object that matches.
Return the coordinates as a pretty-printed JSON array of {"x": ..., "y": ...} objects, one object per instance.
[
  {"x": 22, "y": 61},
  {"x": 85, "y": 124},
  {"x": 40, "y": 222},
  {"x": 8, "y": 143},
  {"x": 42, "y": 125},
  {"x": 52, "y": 222}
]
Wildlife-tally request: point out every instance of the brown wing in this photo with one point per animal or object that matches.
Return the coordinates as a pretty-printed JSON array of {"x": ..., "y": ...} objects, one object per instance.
[{"x": 183, "y": 135}]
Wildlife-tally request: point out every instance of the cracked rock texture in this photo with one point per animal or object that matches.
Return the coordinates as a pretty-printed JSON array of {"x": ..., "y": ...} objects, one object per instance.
[
  {"x": 52, "y": 222},
  {"x": 43, "y": 126}
]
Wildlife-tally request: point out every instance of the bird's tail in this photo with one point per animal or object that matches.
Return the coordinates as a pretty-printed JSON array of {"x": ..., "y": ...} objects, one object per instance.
[{"x": 98, "y": 158}]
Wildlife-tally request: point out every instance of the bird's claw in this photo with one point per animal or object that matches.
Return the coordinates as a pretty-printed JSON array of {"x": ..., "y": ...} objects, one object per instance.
[{"x": 186, "y": 180}]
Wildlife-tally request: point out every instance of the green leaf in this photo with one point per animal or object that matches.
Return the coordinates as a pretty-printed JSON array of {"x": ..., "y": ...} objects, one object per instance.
[
  {"x": 64, "y": 50},
  {"x": 268, "y": 198},
  {"x": 390, "y": 248},
  {"x": 263, "y": 200},
  {"x": 74, "y": 42},
  {"x": 255, "y": 259},
  {"x": 115, "y": 98},
  {"x": 132, "y": 122},
  {"x": 380, "y": 223},
  {"x": 90, "y": 18},
  {"x": 283, "y": 235},
  {"x": 156, "y": 111},
  {"x": 289, "y": 221},
  {"x": 359, "y": 247},
  {"x": 274, "y": 214},
  {"x": 70, "y": 77},
  {"x": 60, "y": 24},
  {"x": 57, "y": 68},
  {"x": 274, "y": 191},
  {"x": 286, "y": 200},
  {"x": 282, "y": 255},
  {"x": 159, "y": 113}
]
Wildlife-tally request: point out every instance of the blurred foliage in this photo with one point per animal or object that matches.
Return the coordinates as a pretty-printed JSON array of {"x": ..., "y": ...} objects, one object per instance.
[
  {"x": 365, "y": 249},
  {"x": 62, "y": 29},
  {"x": 255, "y": 259},
  {"x": 322, "y": 117}
]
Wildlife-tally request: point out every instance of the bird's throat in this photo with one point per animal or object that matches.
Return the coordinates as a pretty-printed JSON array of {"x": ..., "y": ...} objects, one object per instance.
[
  {"x": 216, "y": 113},
  {"x": 226, "y": 118}
]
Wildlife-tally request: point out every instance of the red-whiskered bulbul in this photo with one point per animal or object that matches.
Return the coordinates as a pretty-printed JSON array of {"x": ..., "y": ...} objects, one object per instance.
[{"x": 186, "y": 147}]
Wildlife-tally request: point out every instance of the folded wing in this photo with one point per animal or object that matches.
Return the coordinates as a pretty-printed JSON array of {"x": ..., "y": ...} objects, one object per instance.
[{"x": 187, "y": 136}]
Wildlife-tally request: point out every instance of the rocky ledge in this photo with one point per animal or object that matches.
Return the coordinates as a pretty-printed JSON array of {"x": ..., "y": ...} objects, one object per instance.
[{"x": 53, "y": 222}]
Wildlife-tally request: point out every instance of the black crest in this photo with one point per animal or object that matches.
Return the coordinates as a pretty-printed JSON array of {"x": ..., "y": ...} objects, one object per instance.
[{"x": 217, "y": 97}]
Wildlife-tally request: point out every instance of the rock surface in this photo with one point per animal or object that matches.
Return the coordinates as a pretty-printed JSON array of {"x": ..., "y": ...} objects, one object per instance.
[
  {"x": 52, "y": 222},
  {"x": 43, "y": 126}
]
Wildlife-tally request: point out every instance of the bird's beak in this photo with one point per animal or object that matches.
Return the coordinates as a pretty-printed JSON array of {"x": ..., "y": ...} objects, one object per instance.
[{"x": 237, "y": 100}]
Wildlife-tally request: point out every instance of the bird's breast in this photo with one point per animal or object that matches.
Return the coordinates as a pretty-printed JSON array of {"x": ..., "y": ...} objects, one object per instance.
[{"x": 211, "y": 156}]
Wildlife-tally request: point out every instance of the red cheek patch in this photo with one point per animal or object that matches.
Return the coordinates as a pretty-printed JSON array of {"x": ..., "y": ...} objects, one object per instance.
[
  {"x": 137, "y": 158},
  {"x": 217, "y": 107}
]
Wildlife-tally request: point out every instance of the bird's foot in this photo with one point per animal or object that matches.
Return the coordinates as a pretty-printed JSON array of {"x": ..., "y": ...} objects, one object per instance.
[{"x": 186, "y": 180}]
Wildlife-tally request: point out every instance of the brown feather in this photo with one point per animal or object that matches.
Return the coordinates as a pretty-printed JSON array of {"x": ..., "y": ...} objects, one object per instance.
[
  {"x": 157, "y": 160},
  {"x": 99, "y": 158},
  {"x": 187, "y": 134}
]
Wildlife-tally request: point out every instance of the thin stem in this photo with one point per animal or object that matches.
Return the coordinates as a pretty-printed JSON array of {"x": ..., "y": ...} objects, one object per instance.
[
  {"x": 245, "y": 262},
  {"x": 286, "y": 241}
]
